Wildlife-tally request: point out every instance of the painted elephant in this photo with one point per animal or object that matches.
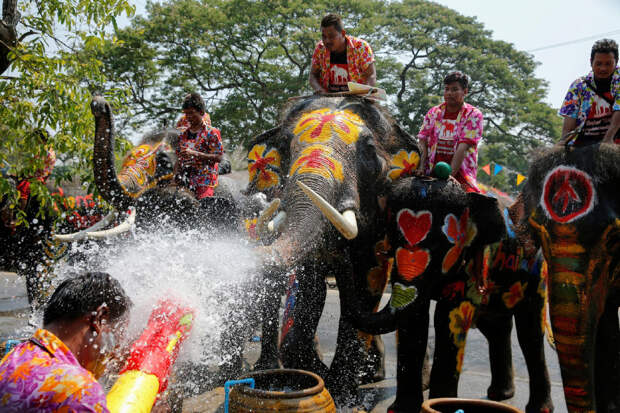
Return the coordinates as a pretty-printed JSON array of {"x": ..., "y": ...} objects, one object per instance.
[
  {"x": 345, "y": 150},
  {"x": 145, "y": 179},
  {"x": 432, "y": 228},
  {"x": 572, "y": 204}
]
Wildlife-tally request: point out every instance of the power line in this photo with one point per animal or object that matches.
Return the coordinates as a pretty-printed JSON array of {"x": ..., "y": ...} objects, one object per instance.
[{"x": 594, "y": 36}]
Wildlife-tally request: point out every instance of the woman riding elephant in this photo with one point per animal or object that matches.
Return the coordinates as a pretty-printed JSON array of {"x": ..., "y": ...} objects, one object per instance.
[{"x": 571, "y": 202}]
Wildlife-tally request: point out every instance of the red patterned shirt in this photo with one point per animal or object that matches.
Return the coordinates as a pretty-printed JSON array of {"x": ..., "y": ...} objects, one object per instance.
[
  {"x": 359, "y": 57},
  {"x": 199, "y": 175}
]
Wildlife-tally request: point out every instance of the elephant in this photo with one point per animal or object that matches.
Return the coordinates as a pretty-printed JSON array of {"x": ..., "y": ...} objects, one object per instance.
[
  {"x": 570, "y": 203},
  {"x": 145, "y": 181},
  {"x": 343, "y": 152}
]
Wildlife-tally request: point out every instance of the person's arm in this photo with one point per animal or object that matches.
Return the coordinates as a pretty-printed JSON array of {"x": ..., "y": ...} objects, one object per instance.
[
  {"x": 370, "y": 75},
  {"x": 315, "y": 82},
  {"x": 457, "y": 159},
  {"x": 569, "y": 125},
  {"x": 614, "y": 127},
  {"x": 214, "y": 157}
]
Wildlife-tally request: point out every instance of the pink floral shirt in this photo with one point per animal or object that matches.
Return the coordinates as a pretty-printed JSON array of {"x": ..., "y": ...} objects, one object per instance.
[
  {"x": 468, "y": 129},
  {"x": 359, "y": 57},
  {"x": 42, "y": 375}
]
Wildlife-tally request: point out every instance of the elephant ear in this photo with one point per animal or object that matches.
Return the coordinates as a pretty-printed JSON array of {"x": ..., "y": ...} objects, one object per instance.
[
  {"x": 488, "y": 218},
  {"x": 266, "y": 158},
  {"x": 403, "y": 153}
]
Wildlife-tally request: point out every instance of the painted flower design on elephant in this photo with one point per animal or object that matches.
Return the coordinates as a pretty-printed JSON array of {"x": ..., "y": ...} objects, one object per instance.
[
  {"x": 139, "y": 166},
  {"x": 412, "y": 260},
  {"x": 515, "y": 293},
  {"x": 403, "y": 164},
  {"x": 264, "y": 166},
  {"x": 377, "y": 276},
  {"x": 460, "y": 232},
  {"x": 250, "y": 228},
  {"x": 322, "y": 124},
  {"x": 317, "y": 160},
  {"x": 461, "y": 320}
]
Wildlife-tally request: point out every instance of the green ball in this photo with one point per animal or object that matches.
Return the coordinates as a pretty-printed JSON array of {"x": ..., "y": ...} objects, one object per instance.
[{"x": 442, "y": 170}]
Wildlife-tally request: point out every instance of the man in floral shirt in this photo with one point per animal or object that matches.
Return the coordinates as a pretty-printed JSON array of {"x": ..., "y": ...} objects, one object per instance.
[
  {"x": 199, "y": 150},
  {"x": 591, "y": 117},
  {"x": 339, "y": 58},
  {"x": 57, "y": 369},
  {"x": 451, "y": 133}
]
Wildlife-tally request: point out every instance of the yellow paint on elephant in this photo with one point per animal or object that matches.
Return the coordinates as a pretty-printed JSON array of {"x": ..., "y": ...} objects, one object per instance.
[
  {"x": 515, "y": 294},
  {"x": 264, "y": 166},
  {"x": 139, "y": 167},
  {"x": 322, "y": 124},
  {"x": 461, "y": 320},
  {"x": 317, "y": 160},
  {"x": 403, "y": 164}
]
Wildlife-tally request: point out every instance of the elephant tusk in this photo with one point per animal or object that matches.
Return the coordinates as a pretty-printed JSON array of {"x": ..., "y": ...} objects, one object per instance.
[
  {"x": 345, "y": 223},
  {"x": 76, "y": 236},
  {"x": 123, "y": 227},
  {"x": 271, "y": 208},
  {"x": 275, "y": 224}
]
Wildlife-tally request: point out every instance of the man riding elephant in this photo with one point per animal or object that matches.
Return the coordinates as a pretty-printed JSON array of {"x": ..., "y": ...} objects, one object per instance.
[
  {"x": 339, "y": 58},
  {"x": 591, "y": 108}
]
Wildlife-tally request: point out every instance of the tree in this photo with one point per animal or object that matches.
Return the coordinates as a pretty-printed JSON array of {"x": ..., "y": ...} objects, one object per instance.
[
  {"x": 46, "y": 86},
  {"x": 248, "y": 57}
]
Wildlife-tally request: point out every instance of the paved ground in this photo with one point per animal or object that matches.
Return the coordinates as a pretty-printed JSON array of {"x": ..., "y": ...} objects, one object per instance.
[{"x": 474, "y": 380}]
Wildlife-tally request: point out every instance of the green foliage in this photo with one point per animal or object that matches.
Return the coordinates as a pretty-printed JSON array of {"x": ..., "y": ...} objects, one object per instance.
[
  {"x": 48, "y": 87},
  {"x": 248, "y": 57}
]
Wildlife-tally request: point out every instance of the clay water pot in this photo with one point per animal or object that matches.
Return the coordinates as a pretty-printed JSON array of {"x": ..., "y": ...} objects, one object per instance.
[
  {"x": 450, "y": 405},
  {"x": 282, "y": 390}
]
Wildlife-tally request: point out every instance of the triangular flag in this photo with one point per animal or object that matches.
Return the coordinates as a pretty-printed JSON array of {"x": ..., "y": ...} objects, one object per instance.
[
  {"x": 487, "y": 168},
  {"x": 520, "y": 179},
  {"x": 497, "y": 169}
]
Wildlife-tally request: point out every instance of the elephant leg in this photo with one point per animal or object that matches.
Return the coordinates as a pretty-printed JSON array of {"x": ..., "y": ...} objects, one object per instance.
[
  {"x": 529, "y": 325},
  {"x": 497, "y": 332},
  {"x": 411, "y": 340},
  {"x": 301, "y": 319},
  {"x": 607, "y": 361},
  {"x": 269, "y": 341},
  {"x": 452, "y": 322}
]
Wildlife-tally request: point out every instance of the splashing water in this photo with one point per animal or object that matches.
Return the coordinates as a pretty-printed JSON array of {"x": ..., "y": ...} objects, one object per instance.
[{"x": 199, "y": 269}]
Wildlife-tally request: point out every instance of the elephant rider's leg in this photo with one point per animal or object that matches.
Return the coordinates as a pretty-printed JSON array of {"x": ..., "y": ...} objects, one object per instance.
[
  {"x": 530, "y": 332},
  {"x": 607, "y": 362},
  {"x": 302, "y": 314},
  {"x": 497, "y": 329}
]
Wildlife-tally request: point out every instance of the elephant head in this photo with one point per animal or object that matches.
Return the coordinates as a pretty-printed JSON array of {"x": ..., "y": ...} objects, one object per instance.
[{"x": 572, "y": 204}]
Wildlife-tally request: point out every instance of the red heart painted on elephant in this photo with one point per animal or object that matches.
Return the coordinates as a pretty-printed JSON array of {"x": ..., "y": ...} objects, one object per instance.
[
  {"x": 412, "y": 263},
  {"x": 414, "y": 227}
]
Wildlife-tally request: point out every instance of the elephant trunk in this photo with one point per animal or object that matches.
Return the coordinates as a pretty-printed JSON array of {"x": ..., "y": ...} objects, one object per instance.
[
  {"x": 103, "y": 156},
  {"x": 576, "y": 302}
]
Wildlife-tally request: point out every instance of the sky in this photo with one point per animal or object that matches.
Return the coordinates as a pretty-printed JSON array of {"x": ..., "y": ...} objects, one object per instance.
[{"x": 534, "y": 24}]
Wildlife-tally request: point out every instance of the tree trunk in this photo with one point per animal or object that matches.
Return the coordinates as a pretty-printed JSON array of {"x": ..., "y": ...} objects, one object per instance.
[{"x": 8, "y": 33}]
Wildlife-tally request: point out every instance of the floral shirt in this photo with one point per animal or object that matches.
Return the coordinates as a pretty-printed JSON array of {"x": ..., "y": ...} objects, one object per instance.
[
  {"x": 359, "y": 57},
  {"x": 580, "y": 97},
  {"x": 467, "y": 129},
  {"x": 199, "y": 175},
  {"x": 42, "y": 375}
]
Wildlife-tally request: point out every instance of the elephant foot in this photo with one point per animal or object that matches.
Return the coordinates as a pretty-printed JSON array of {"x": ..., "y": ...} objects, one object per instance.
[
  {"x": 400, "y": 407},
  {"x": 545, "y": 406},
  {"x": 499, "y": 393}
]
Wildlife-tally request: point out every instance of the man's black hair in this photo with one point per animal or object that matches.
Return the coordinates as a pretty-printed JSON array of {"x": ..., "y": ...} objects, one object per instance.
[
  {"x": 83, "y": 294},
  {"x": 194, "y": 100},
  {"x": 332, "y": 19},
  {"x": 457, "y": 77},
  {"x": 604, "y": 46}
]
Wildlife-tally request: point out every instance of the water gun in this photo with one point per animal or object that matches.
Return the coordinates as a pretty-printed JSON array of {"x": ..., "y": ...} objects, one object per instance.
[{"x": 152, "y": 356}]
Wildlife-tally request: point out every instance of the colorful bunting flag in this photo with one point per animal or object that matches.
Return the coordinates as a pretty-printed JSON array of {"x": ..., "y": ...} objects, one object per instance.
[
  {"x": 520, "y": 179},
  {"x": 497, "y": 169},
  {"x": 487, "y": 168}
]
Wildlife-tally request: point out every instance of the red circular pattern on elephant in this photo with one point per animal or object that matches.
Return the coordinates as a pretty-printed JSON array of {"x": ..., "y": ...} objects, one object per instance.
[{"x": 568, "y": 194}]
